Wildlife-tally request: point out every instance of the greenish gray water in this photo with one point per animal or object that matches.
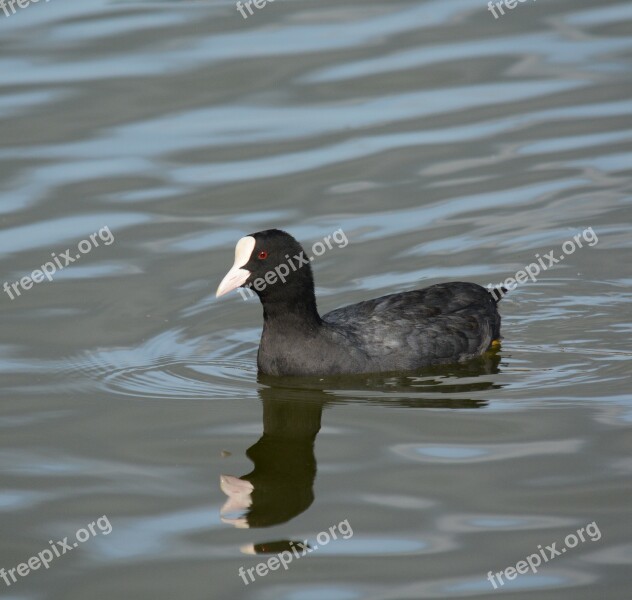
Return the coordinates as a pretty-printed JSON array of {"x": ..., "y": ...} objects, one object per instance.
[{"x": 447, "y": 146}]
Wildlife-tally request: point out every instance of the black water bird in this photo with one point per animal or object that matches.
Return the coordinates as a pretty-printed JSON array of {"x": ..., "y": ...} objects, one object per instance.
[{"x": 441, "y": 324}]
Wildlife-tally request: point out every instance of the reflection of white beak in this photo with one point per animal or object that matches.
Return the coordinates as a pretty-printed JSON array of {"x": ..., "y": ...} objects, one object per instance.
[
  {"x": 239, "y": 499},
  {"x": 237, "y": 276},
  {"x": 239, "y": 496}
]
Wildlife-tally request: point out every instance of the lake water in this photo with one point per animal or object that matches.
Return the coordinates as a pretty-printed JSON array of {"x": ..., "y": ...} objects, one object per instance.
[{"x": 447, "y": 145}]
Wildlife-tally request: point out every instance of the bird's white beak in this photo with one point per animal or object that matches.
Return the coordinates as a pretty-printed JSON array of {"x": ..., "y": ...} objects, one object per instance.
[{"x": 237, "y": 276}]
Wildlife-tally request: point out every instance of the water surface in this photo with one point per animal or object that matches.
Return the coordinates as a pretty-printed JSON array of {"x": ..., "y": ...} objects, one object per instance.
[{"x": 447, "y": 145}]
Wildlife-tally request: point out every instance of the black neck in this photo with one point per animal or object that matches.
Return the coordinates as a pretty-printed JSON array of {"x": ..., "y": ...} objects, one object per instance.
[
  {"x": 292, "y": 305},
  {"x": 299, "y": 314}
]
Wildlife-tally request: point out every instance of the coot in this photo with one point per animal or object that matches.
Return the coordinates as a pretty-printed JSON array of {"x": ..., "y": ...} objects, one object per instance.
[{"x": 440, "y": 324}]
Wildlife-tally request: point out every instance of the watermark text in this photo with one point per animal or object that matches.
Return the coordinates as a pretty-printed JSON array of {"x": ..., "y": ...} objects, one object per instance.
[
  {"x": 543, "y": 263},
  {"x": 281, "y": 272},
  {"x": 56, "y": 550},
  {"x": 9, "y": 5},
  {"x": 534, "y": 561},
  {"x": 299, "y": 549},
  {"x": 510, "y": 4},
  {"x": 48, "y": 269}
]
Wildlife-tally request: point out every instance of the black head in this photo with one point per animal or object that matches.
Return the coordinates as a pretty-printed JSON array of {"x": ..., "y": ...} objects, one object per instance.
[{"x": 273, "y": 265}]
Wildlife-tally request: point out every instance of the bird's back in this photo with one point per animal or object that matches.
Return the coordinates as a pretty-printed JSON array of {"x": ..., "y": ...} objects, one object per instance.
[{"x": 443, "y": 323}]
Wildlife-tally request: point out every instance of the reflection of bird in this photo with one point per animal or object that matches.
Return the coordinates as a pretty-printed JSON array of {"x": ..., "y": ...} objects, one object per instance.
[
  {"x": 281, "y": 484},
  {"x": 275, "y": 547},
  {"x": 440, "y": 386},
  {"x": 441, "y": 324}
]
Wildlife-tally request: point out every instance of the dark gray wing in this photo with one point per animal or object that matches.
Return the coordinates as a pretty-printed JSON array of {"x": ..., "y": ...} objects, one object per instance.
[{"x": 441, "y": 323}]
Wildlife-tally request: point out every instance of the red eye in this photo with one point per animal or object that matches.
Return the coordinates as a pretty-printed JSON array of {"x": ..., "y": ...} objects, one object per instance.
[{"x": 262, "y": 255}]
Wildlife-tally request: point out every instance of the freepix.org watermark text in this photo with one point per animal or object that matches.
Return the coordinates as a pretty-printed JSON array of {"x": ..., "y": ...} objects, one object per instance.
[
  {"x": 543, "y": 263},
  {"x": 259, "y": 4},
  {"x": 55, "y": 550},
  {"x": 59, "y": 262},
  {"x": 293, "y": 263},
  {"x": 299, "y": 549},
  {"x": 532, "y": 562},
  {"x": 8, "y": 7},
  {"x": 510, "y": 4}
]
